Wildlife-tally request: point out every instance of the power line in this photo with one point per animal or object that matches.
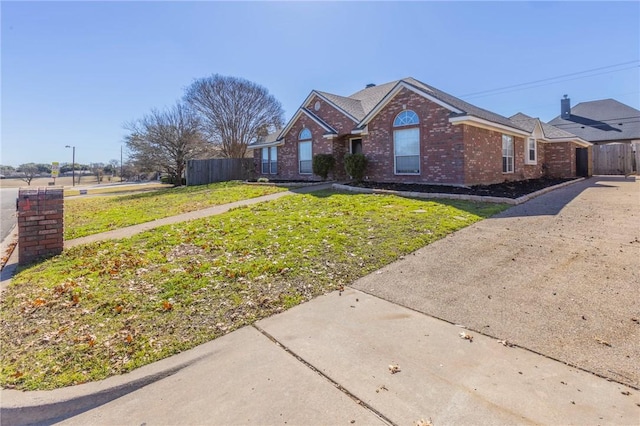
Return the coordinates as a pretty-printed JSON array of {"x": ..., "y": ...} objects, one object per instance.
[
  {"x": 504, "y": 89},
  {"x": 554, "y": 82}
]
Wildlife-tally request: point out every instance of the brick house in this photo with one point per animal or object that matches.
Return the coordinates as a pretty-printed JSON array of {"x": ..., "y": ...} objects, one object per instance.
[{"x": 414, "y": 133}]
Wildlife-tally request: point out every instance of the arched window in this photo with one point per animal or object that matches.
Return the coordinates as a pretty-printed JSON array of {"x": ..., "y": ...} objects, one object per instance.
[
  {"x": 305, "y": 152},
  {"x": 305, "y": 134},
  {"x": 406, "y": 118},
  {"x": 406, "y": 144}
]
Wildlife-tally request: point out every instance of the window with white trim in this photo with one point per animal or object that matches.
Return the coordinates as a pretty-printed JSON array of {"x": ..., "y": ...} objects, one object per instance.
[
  {"x": 270, "y": 160},
  {"x": 406, "y": 144},
  {"x": 531, "y": 152},
  {"x": 406, "y": 118},
  {"x": 507, "y": 154},
  {"x": 265, "y": 161},
  {"x": 305, "y": 152},
  {"x": 273, "y": 157},
  {"x": 304, "y": 134}
]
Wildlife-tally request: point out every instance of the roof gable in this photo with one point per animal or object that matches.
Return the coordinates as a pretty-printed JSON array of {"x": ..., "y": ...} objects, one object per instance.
[
  {"x": 397, "y": 87},
  {"x": 549, "y": 132},
  {"x": 304, "y": 111}
]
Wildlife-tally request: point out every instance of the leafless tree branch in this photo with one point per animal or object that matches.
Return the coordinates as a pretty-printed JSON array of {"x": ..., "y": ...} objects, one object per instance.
[{"x": 235, "y": 112}]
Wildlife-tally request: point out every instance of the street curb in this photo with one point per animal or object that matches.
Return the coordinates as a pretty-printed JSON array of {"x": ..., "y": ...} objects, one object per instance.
[
  {"x": 8, "y": 245},
  {"x": 466, "y": 197},
  {"x": 8, "y": 268},
  {"x": 37, "y": 407}
]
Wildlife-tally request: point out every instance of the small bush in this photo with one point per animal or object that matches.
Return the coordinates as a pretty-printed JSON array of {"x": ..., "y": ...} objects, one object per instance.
[
  {"x": 355, "y": 165},
  {"x": 263, "y": 180},
  {"x": 323, "y": 164}
]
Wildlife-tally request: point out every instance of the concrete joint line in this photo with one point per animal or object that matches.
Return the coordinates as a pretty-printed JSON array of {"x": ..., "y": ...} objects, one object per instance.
[
  {"x": 514, "y": 345},
  {"x": 327, "y": 378}
]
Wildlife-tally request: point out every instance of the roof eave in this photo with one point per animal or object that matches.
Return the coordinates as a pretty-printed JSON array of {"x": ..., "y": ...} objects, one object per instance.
[
  {"x": 578, "y": 141},
  {"x": 278, "y": 142},
  {"x": 486, "y": 124}
]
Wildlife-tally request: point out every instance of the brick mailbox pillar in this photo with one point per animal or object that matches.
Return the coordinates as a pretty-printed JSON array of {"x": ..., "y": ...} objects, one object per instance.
[{"x": 40, "y": 223}]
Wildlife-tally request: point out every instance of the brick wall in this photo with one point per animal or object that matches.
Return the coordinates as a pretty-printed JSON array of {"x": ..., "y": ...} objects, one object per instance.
[
  {"x": 560, "y": 158},
  {"x": 441, "y": 145},
  {"x": 40, "y": 223},
  {"x": 483, "y": 158}
]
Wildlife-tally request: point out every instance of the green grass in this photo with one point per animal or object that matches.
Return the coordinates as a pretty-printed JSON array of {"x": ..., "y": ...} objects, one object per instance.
[
  {"x": 92, "y": 215},
  {"x": 107, "y": 308}
]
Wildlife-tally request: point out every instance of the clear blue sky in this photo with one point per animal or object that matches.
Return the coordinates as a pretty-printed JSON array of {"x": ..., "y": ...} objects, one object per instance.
[{"x": 74, "y": 72}]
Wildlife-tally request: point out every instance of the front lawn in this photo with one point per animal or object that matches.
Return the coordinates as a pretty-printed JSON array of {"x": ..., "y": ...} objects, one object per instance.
[
  {"x": 92, "y": 215},
  {"x": 107, "y": 308}
]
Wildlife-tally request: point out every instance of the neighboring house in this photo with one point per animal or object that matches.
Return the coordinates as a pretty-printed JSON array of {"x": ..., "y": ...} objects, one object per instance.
[
  {"x": 613, "y": 128},
  {"x": 599, "y": 122},
  {"x": 414, "y": 133}
]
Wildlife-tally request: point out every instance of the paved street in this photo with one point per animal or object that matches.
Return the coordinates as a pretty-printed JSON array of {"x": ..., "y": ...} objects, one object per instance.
[{"x": 8, "y": 205}]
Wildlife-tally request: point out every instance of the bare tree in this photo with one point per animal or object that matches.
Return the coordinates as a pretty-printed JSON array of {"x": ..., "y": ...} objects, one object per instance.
[
  {"x": 235, "y": 112},
  {"x": 165, "y": 140},
  {"x": 28, "y": 172}
]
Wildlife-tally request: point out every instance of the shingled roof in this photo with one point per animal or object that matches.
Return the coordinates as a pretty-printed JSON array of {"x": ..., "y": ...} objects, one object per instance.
[
  {"x": 601, "y": 121},
  {"x": 550, "y": 132},
  {"x": 361, "y": 103}
]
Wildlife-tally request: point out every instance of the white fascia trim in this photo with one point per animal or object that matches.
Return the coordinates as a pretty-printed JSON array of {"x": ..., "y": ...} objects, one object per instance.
[
  {"x": 290, "y": 123},
  {"x": 266, "y": 145},
  {"x": 355, "y": 120},
  {"x": 295, "y": 117},
  {"x": 402, "y": 85},
  {"x": 363, "y": 131},
  {"x": 486, "y": 124},
  {"x": 329, "y": 136},
  {"x": 577, "y": 141},
  {"x": 318, "y": 121}
]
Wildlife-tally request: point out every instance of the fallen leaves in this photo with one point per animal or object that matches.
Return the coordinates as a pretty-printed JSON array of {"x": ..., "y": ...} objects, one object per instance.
[
  {"x": 603, "y": 342},
  {"x": 393, "y": 369},
  {"x": 39, "y": 302},
  {"x": 423, "y": 422},
  {"x": 381, "y": 388},
  {"x": 466, "y": 336},
  {"x": 506, "y": 343}
]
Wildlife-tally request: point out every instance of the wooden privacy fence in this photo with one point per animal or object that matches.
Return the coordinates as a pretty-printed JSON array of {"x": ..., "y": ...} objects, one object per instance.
[
  {"x": 615, "y": 159},
  {"x": 201, "y": 172}
]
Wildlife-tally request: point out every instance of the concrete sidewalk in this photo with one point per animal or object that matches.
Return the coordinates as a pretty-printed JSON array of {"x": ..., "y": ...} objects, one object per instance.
[
  {"x": 327, "y": 361},
  {"x": 198, "y": 214}
]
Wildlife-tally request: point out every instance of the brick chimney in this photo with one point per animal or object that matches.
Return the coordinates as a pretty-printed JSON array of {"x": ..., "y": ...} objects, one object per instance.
[{"x": 565, "y": 108}]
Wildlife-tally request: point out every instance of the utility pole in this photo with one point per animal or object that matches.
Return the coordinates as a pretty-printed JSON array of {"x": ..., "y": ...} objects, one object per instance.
[
  {"x": 120, "y": 163},
  {"x": 73, "y": 165}
]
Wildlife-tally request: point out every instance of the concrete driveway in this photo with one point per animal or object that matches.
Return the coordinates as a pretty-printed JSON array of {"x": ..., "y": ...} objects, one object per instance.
[{"x": 559, "y": 275}]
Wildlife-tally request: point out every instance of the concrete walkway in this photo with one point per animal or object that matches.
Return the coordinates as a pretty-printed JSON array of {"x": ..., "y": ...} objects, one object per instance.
[{"x": 328, "y": 361}]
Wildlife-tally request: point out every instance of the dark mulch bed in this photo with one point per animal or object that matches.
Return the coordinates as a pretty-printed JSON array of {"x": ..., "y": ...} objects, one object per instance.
[{"x": 514, "y": 189}]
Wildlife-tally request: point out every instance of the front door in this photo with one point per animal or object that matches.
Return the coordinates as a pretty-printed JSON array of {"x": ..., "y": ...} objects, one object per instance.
[
  {"x": 356, "y": 146},
  {"x": 582, "y": 162}
]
